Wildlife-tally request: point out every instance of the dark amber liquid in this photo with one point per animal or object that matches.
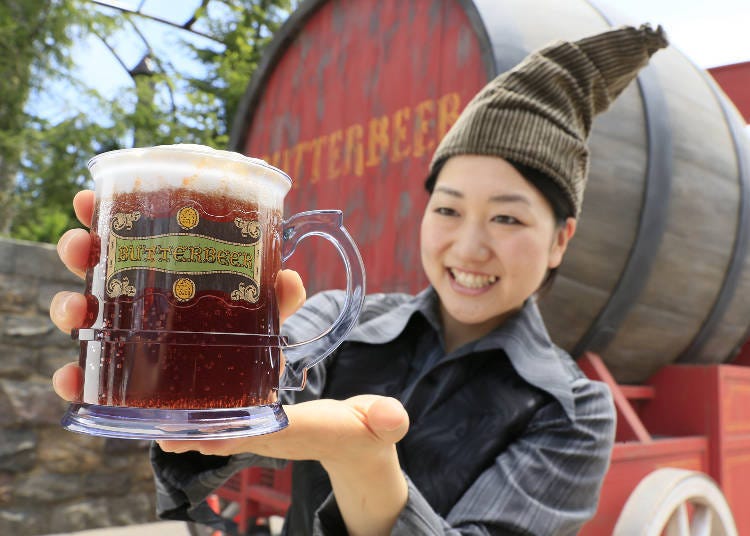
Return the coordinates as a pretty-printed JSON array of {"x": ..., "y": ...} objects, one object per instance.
[{"x": 179, "y": 376}]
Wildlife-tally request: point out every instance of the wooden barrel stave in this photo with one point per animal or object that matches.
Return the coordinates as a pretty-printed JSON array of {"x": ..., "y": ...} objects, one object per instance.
[{"x": 696, "y": 247}]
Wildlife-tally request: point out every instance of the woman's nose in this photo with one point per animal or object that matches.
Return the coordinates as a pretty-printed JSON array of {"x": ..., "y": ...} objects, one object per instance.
[{"x": 472, "y": 244}]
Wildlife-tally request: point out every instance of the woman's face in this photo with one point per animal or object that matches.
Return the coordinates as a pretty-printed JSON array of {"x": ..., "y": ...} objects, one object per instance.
[{"x": 488, "y": 238}]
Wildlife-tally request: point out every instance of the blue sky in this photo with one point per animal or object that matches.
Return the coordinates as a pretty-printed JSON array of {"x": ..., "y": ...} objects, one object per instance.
[{"x": 709, "y": 32}]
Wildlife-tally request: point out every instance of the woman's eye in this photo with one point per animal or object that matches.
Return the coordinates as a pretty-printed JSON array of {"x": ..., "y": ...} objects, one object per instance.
[
  {"x": 445, "y": 211},
  {"x": 508, "y": 220}
]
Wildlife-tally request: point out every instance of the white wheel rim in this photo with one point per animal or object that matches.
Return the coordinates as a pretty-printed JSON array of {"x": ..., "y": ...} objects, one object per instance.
[{"x": 660, "y": 503}]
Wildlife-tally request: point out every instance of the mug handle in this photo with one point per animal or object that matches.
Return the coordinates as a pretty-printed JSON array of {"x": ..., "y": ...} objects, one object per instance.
[{"x": 329, "y": 225}]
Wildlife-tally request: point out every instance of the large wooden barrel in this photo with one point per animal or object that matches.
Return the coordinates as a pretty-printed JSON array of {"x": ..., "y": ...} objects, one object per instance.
[{"x": 353, "y": 96}]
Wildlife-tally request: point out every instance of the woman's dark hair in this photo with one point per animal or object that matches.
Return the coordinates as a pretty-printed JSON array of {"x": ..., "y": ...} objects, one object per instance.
[
  {"x": 429, "y": 183},
  {"x": 549, "y": 189},
  {"x": 561, "y": 207}
]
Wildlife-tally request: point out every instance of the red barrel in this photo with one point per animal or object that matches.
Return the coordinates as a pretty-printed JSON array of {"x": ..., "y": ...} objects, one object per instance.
[{"x": 353, "y": 96}]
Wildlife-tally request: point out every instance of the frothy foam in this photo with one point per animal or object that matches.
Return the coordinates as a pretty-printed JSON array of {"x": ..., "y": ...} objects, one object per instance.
[{"x": 195, "y": 167}]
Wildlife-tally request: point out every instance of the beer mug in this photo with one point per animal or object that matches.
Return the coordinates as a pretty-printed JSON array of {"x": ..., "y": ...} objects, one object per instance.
[{"x": 182, "y": 336}]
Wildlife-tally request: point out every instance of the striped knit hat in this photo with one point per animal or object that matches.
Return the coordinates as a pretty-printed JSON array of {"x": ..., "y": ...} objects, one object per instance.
[{"x": 539, "y": 113}]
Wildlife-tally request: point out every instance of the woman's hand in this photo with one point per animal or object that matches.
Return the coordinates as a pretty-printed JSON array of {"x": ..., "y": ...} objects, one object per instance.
[
  {"x": 333, "y": 432},
  {"x": 355, "y": 441}
]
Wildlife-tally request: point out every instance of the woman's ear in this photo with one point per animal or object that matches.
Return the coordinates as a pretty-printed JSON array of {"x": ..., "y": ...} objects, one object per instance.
[{"x": 563, "y": 234}]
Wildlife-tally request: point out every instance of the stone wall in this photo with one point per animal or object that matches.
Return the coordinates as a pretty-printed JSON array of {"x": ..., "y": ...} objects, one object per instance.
[{"x": 52, "y": 480}]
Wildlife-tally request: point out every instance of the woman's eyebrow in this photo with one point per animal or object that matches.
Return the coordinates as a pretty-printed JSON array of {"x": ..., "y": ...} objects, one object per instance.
[
  {"x": 500, "y": 198},
  {"x": 510, "y": 198},
  {"x": 449, "y": 191}
]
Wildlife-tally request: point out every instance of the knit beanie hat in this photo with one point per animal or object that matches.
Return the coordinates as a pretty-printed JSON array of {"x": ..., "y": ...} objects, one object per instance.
[{"x": 539, "y": 113}]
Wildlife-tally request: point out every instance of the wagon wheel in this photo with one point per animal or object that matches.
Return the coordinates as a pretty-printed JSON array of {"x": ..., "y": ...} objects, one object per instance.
[{"x": 676, "y": 502}]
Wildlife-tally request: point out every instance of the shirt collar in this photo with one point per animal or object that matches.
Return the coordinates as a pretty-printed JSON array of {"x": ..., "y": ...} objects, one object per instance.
[
  {"x": 385, "y": 327},
  {"x": 537, "y": 360},
  {"x": 523, "y": 338}
]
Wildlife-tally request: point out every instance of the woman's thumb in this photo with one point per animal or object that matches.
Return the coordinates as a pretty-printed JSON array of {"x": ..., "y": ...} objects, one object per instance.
[{"x": 388, "y": 419}]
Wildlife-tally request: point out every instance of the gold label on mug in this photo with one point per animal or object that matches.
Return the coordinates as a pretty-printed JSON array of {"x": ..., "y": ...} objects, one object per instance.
[{"x": 216, "y": 255}]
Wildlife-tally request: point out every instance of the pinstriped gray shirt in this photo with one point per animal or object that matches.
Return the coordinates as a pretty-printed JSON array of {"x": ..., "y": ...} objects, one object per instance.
[{"x": 546, "y": 481}]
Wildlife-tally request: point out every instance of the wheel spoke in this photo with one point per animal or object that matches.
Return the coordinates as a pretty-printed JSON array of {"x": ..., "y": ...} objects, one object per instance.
[
  {"x": 679, "y": 523},
  {"x": 702, "y": 523}
]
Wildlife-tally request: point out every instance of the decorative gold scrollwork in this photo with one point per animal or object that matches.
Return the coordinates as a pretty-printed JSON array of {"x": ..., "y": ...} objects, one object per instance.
[
  {"x": 117, "y": 288},
  {"x": 124, "y": 220},
  {"x": 245, "y": 292},
  {"x": 248, "y": 228}
]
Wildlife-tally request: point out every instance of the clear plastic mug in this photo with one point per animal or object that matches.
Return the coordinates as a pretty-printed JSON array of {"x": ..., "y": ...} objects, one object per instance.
[{"x": 182, "y": 333}]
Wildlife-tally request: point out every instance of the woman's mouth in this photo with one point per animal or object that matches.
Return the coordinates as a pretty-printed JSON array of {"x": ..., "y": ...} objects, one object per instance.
[{"x": 472, "y": 280}]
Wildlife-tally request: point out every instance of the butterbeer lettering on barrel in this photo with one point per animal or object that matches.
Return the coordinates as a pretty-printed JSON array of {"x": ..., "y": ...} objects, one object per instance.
[
  {"x": 334, "y": 154},
  {"x": 354, "y": 151},
  {"x": 449, "y": 107},
  {"x": 317, "y": 153},
  {"x": 298, "y": 154},
  {"x": 281, "y": 159},
  {"x": 378, "y": 141},
  {"x": 399, "y": 151},
  {"x": 409, "y": 132},
  {"x": 423, "y": 120}
]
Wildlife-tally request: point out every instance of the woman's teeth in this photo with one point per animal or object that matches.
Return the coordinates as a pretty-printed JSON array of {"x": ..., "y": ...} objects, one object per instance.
[{"x": 470, "y": 280}]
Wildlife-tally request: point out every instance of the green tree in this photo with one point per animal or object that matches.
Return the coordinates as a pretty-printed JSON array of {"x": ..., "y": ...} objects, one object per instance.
[
  {"x": 244, "y": 27},
  {"x": 162, "y": 106},
  {"x": 42, "y": 162},
  {"x": 33, "y": 36}
]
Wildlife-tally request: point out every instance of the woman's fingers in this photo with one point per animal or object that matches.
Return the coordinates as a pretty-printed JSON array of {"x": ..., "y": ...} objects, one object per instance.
[
  {"x": 73, "y": 249},
  {"x": 73, "y": 246},
  {"x": 179, "y": 446},
  {"x": 83, "y": 205},
  {"x": 384, "y": 416},
  {"x": 68, "y": 382},
  {"x": 68, "y": 310},
  {"x": 290, "y": 293}
]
